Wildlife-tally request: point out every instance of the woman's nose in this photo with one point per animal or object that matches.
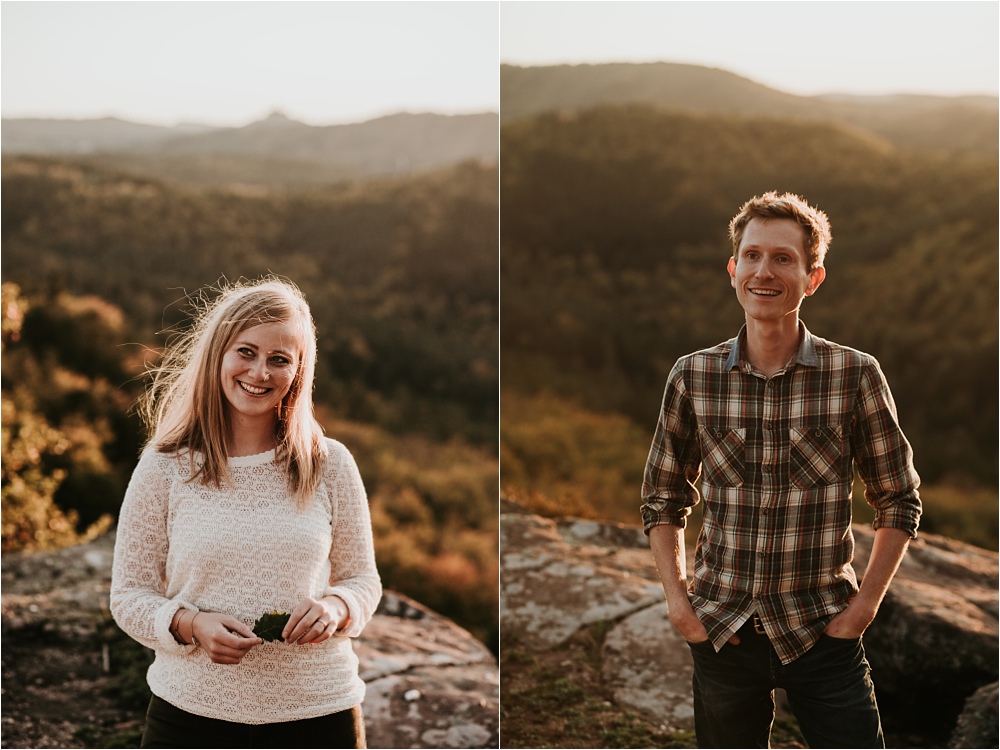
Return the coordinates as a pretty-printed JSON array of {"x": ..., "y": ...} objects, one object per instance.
[{"x": 261, "y": 371}]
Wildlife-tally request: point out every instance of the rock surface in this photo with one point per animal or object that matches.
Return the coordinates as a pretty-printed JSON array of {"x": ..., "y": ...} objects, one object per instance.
[
  {"x": 430, "y": 683},
  {"x": 978, "y": 722},
  {"x": 932, "y": 645}
]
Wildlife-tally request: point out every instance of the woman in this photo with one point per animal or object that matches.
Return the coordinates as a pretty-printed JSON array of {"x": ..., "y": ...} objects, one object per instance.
[{"x": 239, "y": 507}]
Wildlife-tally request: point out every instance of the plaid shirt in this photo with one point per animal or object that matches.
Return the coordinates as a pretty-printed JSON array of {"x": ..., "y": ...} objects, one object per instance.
[{"x": 776, "y": 460}]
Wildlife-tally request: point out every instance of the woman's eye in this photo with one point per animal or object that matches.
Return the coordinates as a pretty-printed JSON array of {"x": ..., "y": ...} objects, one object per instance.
[
  {"x": 279, "y": 360},
  {"x": 245, "y": 351}
]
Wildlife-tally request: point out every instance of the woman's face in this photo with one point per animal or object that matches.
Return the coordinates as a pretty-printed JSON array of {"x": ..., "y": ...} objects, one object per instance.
[{"x": 258, "y": 369}]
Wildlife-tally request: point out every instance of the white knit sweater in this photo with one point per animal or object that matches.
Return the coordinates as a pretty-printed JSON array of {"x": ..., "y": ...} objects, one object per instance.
[{"x": 245, "y": 550}]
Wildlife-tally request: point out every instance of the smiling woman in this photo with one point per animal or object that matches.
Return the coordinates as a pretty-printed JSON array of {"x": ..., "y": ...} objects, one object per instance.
[
  {"x": 241, "y": 508},
  {"x": 258, "y": 370}
]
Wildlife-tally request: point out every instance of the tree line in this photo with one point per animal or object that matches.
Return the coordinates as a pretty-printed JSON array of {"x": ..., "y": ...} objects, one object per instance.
[
  {"x": 613, "y": 255},
  {"x": 401, "y": 278}
]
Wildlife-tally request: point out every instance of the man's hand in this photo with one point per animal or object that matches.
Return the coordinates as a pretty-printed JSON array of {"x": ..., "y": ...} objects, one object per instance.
[
  {"x": 667, "y": 544},
  {"x": 852, "y": 622},
  {"x": 887, "y": 552},
  {"x": 683, "y": 618}
]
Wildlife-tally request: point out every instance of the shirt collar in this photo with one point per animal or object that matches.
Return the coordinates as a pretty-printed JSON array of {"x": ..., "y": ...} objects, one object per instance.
[{"x": 806, "y": 354}]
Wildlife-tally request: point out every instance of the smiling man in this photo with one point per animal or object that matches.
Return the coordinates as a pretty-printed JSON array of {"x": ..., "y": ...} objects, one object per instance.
[{"x": 768, "y": 429}]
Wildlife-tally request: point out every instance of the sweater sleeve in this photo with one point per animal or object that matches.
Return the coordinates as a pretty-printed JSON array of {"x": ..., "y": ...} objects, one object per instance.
[
  {"x": 138, "y": 601},
  {"x": 353, "y": 575}
]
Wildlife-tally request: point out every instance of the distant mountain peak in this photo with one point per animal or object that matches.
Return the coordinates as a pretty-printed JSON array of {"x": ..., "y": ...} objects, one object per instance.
[{"x": 276, "y": 118}]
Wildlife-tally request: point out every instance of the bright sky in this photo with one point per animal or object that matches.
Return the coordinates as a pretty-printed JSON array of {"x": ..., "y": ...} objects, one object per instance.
[
  {"x": 801, "y": 47},
  {"x": 230, "y": 63}
]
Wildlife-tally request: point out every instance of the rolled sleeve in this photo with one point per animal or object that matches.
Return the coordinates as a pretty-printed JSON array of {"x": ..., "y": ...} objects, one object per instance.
[
  {"x": 884, "y": 457},
  {"x": 669, "y": 488}
]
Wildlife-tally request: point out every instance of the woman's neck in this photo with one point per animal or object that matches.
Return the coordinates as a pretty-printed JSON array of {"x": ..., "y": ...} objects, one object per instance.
[{"x": 251, "y": 438}]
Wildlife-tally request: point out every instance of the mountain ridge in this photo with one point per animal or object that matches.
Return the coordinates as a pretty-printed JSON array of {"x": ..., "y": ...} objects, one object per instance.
[
  {"x": 274, "y": 151},
  {"x": 960, "y": 124}
]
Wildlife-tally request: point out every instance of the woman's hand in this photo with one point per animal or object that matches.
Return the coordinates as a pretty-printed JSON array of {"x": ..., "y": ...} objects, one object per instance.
[
  {"x": 315, "y": 620},
  {"x": 225, "y": 639}
]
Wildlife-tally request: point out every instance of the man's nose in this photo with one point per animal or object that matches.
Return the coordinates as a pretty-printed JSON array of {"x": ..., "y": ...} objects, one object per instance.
[{"x": 765, "y": 269}]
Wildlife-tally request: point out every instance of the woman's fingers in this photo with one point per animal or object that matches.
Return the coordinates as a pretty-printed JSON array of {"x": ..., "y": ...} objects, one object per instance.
[
  {"x": 324, "y": 634},
  {"x": 229, "y": 648},
  {"x": 313, "y": 621},
  {"x": 225, "y": 639}
]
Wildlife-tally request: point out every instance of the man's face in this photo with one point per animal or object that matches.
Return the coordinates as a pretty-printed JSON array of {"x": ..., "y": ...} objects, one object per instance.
[{"x": 771, "y": 271}]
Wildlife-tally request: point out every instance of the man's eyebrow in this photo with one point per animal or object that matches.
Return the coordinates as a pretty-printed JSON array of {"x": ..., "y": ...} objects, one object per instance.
[{"x": 776, "y": 248}]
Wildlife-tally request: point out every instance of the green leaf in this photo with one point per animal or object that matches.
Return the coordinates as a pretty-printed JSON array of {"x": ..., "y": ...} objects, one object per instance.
[{"x": 270, "y": 625}]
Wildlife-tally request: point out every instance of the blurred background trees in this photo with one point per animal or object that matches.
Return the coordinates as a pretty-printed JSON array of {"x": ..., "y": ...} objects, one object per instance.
[
  {"x": 613, "y": 252},
  {"x": 401, "y": 276}
]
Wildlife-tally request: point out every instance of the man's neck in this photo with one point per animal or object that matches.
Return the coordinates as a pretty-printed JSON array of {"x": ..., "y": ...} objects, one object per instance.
[{"x": 771, "y": 344}]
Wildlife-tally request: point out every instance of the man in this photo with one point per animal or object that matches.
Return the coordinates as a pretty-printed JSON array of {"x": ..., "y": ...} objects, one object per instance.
[{"x": 775, "y": 421}]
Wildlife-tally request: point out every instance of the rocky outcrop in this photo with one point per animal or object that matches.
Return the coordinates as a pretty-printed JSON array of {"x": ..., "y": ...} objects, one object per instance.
[
  {"x": 932, "y": 645},
  {"x": 430, "y": 683},
  {"x": 978, "y": 722}
]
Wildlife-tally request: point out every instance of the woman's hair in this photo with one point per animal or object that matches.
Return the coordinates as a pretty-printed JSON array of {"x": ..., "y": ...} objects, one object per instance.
[{"x": 184, "y": 407}]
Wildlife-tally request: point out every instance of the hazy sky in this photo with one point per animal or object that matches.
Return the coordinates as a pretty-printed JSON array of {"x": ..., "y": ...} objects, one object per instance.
[
  {"x": 797, "y": 46},
  {"x": 229, "y": 63}
]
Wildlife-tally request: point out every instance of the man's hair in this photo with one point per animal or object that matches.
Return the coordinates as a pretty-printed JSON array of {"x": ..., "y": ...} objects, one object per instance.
[
  {"x": 770, "y": 205},
  {"x": 184, "y": 407}
]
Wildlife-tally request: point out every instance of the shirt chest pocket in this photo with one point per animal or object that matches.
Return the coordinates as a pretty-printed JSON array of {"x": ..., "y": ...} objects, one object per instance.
[
  {"x": 722, "y": 456},
  {"x": 816, "y": 455}
]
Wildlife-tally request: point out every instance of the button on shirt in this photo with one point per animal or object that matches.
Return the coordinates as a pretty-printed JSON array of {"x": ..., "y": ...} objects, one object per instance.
[{"x": 774, "y": 460}]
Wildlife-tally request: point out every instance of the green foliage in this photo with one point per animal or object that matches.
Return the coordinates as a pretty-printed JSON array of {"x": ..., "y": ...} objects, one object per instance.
[
  {"x": 270, "y": 624},
  {"x": 61, "y": 428},
  {"x": 434, "y": 516},
  {"x": 129, "y": 663},
  {"x": 613, "y": 256},
  {"x": 554, "y": 700},
  {"x": 401, "y": 275},
  {"x": 561, "y": 459},
  {"x": 961, "y": 511}
]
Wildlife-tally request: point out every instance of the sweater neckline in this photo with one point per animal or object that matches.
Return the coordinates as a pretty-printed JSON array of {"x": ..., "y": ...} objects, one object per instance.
[{"x": 256, "y": 459}]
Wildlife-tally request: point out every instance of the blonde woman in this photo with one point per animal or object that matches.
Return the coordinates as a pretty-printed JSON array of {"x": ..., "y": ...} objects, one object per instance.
[{"x": 239, "y": 507}]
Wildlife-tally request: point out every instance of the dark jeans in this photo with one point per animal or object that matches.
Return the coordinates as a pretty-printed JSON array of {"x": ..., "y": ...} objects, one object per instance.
[
  {"x": 829, "y": 690},
  {"x": 169, "y": 726}
]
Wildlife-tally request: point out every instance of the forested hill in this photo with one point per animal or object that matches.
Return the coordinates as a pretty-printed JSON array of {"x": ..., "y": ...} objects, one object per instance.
[
  {"x": 613, "y": 256},
  {"x": 949, "y": 124},
  {"x": 274, "y": 152},
  {"x": 401, "y": 273}
]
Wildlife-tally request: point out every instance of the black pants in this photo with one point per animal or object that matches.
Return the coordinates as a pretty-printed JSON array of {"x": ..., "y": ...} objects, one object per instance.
[
  {"x": 829, "y": 690},
  {"x": 169, "y": 726}
]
